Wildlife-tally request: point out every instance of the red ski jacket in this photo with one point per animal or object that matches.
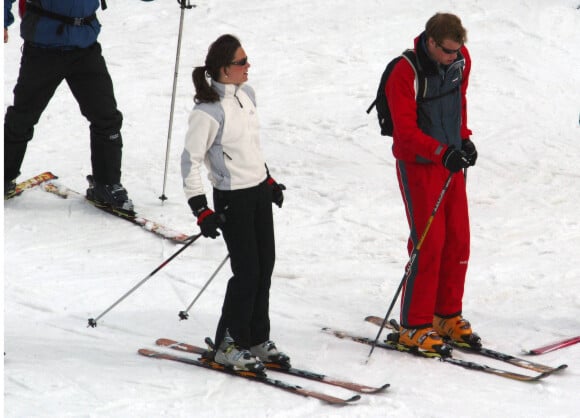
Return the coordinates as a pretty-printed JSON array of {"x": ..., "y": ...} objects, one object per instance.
[{"x": 423, "y": 132}]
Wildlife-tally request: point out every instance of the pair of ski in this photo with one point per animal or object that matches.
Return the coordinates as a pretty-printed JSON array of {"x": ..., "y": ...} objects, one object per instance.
[
  {"x": 541, "y": 369},
  {"x": 48, "y": 182},
  {"x": 207, "y": 363}
]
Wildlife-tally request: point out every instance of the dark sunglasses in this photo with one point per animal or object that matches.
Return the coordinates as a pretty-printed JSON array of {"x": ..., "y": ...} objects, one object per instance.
[
  {"x": 449, "y": 51},
  {"x": 241, "y": 62}
]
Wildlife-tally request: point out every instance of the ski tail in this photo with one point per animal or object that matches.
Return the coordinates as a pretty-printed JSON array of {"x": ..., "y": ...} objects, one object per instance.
[{"x": 30, "y": 183}]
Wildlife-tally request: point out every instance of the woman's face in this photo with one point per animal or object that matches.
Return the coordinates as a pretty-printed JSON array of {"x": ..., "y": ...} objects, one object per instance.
[{"x": 237, "y": 71}]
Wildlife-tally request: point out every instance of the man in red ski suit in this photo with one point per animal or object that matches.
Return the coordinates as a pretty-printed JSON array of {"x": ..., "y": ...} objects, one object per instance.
[{"x": 430, "y": 142}]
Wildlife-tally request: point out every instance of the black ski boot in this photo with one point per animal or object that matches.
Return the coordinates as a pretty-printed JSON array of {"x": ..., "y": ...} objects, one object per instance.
[{"x": 110, "y": 195}]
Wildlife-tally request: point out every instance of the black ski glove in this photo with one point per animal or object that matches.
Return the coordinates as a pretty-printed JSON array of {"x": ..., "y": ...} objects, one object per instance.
[
  {"x": 277, "y": 191},
  {"x": 207, "y": 219},
  {"x": 468, "y": 147},
  {"x": 455, "y": 160}
]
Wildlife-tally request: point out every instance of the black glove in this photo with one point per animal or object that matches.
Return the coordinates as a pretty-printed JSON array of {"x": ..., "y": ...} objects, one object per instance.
[
  {"x": 468, "y": 147},
  {"x": 277, "y": 191},
  {"x": 207, "y": 219},
  {"x": 455, "y": 160},
  {"x": 209, "y": 222}
]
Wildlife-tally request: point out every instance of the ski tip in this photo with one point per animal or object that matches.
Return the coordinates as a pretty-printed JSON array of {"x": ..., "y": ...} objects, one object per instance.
[
  {"x": 540, "y": 376},
  {"x": 385, "y": 386},
  {"x": 147, "y": 353},
  {"x": 353, "y": 398},
  {"x": 379, "y": 389}
]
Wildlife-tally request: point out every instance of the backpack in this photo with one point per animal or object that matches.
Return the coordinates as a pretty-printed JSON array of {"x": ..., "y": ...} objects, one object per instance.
[{"x": 383, "y": 111}]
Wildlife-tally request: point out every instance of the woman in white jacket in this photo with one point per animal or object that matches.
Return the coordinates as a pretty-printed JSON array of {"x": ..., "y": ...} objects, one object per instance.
[{"x": 224, "y": 134}]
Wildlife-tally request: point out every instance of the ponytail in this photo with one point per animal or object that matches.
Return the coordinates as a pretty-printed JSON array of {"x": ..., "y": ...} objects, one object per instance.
[
  {"x": 204, "y": 93},
  {"x": 220, "y": 54}
]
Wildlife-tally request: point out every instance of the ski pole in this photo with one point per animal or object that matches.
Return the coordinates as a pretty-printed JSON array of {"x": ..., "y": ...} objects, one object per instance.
[
  {"x": 183, "y": 4},
  {"x": 412, "y": 259},
  {"x": 93, "y": 321},
  {"x": 185, "y": 314}
]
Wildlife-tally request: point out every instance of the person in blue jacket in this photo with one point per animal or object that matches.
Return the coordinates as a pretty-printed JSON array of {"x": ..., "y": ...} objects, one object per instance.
[
  {"x": 8, "y": 17},
  {"x": 60, "y": 43}
]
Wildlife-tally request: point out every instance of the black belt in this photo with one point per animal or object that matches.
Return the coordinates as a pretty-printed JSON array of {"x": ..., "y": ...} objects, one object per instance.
[{"x": 66, "y": 20}]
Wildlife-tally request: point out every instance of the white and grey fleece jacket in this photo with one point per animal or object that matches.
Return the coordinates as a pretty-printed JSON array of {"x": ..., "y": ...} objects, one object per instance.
[{"x": 225, "y": 136}]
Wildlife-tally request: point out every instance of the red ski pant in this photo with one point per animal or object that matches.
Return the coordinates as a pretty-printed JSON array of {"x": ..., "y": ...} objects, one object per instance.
[{"x": 436, "y": 280}]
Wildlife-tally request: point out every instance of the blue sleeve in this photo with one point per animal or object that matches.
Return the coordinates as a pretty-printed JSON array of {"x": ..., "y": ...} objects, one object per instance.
[{"x": 8, "y": 16}]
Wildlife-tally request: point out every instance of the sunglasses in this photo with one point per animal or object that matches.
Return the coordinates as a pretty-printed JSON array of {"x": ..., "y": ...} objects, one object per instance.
[
  {"x": 449, "y": 51},
  {"x": 241, "y": 62}
]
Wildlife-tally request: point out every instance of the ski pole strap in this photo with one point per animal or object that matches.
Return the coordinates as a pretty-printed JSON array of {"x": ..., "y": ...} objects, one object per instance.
[{"x": 66, "y": 20}]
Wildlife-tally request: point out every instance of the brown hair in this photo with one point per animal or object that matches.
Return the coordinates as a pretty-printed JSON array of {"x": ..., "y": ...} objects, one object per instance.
[
  {"x": 220, "y": 54},
  {"x": 443, "y": 26}
]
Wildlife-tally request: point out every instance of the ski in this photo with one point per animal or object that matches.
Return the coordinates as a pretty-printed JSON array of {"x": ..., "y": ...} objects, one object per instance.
[
  {"x": 30, "y": 183},
  {"x": 554, "y": 346},
  {"x": 261, "y": 378},
  {"x": 147, "y": 224},
  {"x": 470, "y": 365},
  {"x": 307, "y": 374},
  {"x": 483, "y": 351}
]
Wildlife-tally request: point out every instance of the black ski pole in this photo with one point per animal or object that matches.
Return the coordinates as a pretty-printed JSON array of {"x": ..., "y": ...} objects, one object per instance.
[
  {"x": 183, "y": 4},
  {"x": 185, "y": 314},
  {"x": 93, "y": 321},
  {"x": 412, "y": 259}
]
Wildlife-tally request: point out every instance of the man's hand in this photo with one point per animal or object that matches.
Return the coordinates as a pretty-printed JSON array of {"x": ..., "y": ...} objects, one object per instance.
[
  {"x": 455, "y": 160},
  {"x": 468, "y": 147}
]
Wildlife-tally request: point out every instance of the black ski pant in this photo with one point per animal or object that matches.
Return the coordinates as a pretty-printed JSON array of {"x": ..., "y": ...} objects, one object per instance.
[
  {"x": 249, "y": 235},
  {"x": 84, "y": 69}
]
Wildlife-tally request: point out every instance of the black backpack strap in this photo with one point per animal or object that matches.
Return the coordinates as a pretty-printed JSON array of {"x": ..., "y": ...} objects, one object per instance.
[
  {"x": 371, "y": 106},
  {"x": 66, "y": 20}
]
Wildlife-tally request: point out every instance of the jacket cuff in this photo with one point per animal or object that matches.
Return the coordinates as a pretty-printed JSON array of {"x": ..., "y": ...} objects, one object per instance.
[{"x": 197, "y": 204}]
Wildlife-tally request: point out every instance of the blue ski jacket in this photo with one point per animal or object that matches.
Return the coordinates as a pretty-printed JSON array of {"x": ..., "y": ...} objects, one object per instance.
[
  {"x": 47, "y": 32},
  {"x": 8, "y": 16}
]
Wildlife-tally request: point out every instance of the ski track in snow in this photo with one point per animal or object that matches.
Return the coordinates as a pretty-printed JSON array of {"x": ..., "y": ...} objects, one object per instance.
[{"x": 342, "y": 231}]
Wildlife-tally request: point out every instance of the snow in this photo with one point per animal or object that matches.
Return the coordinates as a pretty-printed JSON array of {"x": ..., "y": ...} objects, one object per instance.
[{"x": 340, "y": 235}]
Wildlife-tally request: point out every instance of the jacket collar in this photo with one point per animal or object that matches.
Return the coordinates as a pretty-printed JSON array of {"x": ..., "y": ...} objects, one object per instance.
[
  {"x": 225, "y": 90},
  {"x": 427, "y": 64}
]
